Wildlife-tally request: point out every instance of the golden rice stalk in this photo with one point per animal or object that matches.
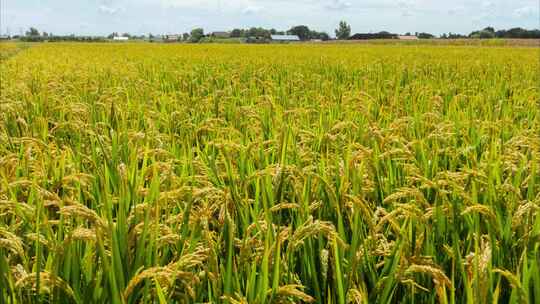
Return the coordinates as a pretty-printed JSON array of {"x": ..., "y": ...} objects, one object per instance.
[
  {"x": 357, "y": 296},
  {"x": 165, "y": 275},
  {"x": 324, "y": 263},
  {"x": 81, "y": 234},
  {"x": 482, "y": 209},
  {"x": 48, "y": 282},
  {"x": 34, "y": 237},
  {"x": 381, "y": 217},
  {"x": 524, "y": 210},
  {"x": 12, "y": 242},
  {"x": 313, "y": 228},
  {"x": 479, "y": 264},
  {"x": 81, "y": 211},
  {"x": 414, "y": 284},
  {"x": 238, "y": 299},
  {"x": 81, "y": 178},
  {"x": 435, "y": 272},
  {"x": 512, "y": 279},
  {"x": 406, "y": 192},
  {"x": 439, "y": 278},
  {"x": 284, "y": 206},
  {"x": 295, "y": 291},
  {"x": 9, "y": 207}
]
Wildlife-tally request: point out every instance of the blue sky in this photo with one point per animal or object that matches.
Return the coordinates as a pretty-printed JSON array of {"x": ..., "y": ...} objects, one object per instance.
[{"x": 177, "y": 16}]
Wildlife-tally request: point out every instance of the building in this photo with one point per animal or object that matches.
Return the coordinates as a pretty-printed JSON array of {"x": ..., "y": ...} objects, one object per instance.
[
  {"x": 369, "y": 36},
  {"x": 256, "y": 39},
  {"x": 172, "y": 38},
  {"x": 120, "y": 38},
  {"x": 285, "y": 38},
  {"x": 407, "y": 37},
  {"x": 221, "y": 35},
  {"x": 4, "y": 37}
]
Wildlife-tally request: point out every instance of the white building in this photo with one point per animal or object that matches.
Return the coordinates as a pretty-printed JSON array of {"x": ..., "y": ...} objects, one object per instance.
[
  {"x": 285, "y": 38},
  {"x": 120, "y": 38},
  {"x": 407, "y": 37}
]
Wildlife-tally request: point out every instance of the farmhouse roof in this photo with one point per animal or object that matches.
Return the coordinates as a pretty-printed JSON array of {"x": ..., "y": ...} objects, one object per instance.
[
  {"x": 285, "y": 37},
  {"x": 408, "y": 37}
]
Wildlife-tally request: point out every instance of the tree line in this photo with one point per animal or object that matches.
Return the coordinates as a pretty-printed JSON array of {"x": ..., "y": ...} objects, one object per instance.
[{"x": 342, "y": 32}]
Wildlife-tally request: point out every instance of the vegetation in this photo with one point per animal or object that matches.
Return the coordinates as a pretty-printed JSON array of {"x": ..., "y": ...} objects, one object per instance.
[
  {"x": 303, "y": 32},
  {"x": 343, "y": 31},
  {"x": 196, "y": 35},
  {"x": 154, "y": 173},
  {"x": 515, "y": 33},
  {"x": 379, "y": 35}
]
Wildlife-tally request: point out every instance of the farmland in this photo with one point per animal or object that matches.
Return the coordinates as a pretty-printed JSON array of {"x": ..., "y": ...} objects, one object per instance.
[{"x": 341, "y": 173}]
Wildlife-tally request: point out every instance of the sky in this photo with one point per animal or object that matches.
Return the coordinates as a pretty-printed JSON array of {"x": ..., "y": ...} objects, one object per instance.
[{"x": 102, "y": 17}]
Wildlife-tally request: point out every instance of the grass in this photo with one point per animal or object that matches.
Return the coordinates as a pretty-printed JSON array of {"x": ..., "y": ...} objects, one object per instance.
[{"x": 269, "y": 174}]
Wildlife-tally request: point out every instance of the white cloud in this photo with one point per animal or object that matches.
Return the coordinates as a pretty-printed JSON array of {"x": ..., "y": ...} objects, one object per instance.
[
  {"x": 338, "y": 5},
  {"x": 407, "y": 7},
  {"x": 251, "y": 10},
  {"x": 458, "y": 10},
  {"x": 108, "y": 9},
  {"x": 526, "y": 11},
  {"x": 488, "y": 5}
]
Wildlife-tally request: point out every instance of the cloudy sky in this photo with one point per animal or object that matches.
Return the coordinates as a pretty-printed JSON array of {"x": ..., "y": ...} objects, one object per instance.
[{"x": 176, "y": 16}]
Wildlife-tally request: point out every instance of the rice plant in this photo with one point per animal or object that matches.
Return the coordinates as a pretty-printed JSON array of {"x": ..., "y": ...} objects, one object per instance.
[{"x": 141, "y": 173}]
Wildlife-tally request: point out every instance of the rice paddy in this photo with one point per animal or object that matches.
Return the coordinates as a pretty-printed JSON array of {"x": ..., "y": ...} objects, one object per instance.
[{"x": 142, "y": 173}]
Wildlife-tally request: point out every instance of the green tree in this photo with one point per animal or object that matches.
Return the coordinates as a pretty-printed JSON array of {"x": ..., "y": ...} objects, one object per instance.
[
  {"x": 301, "y": 31},
  {"x": 343, "y": 31},
  {"x": 32, "y": 32},
  {"x": 324, "y": 36},
  {"x": 425, "y": 36},
  {"x": 236, "y": 33},
  {"x": 258, "y": 32},
  {"x": 197, "y": 34}
]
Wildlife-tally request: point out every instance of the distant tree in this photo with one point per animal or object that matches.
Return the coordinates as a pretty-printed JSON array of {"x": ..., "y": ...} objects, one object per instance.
[
  {"x": 521, "y": 33},
  {"x": 185, "y": 36},
  {"x": 126, "y": 35},
  {"x": 319, "y": 35},
  {"x": 301, "y": 31},
  {"x": 197, "y": 34},
  {"x": 343, "y": 31},
  {"x": 45, "y": 34},
  {"x": 489, "y": 29},
  {"x": 486, "y": 35},
  {"x": 500, "y": 33},
  {"x": 425, "y": 36},
  {"x": 324, "y": 36},
  {"x": 273, "y": 31},
  {"x": 456, "y": 36},
  {"x": 257, "y": 32},
  {"x": 32, "y": 32},
  {"x": 483, "y": 34},
  {"x": 236, "y": 33}
]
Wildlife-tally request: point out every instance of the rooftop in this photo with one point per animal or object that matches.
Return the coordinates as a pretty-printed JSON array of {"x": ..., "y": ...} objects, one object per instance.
[{"x": 285, "y": 37}]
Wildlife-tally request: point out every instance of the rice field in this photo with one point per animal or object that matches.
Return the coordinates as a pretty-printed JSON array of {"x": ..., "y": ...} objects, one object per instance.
[{"x": 151, "y": 173}]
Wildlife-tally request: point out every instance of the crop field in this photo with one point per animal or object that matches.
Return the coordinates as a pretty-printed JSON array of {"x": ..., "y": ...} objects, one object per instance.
[{"x": 340, "y": 173}]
